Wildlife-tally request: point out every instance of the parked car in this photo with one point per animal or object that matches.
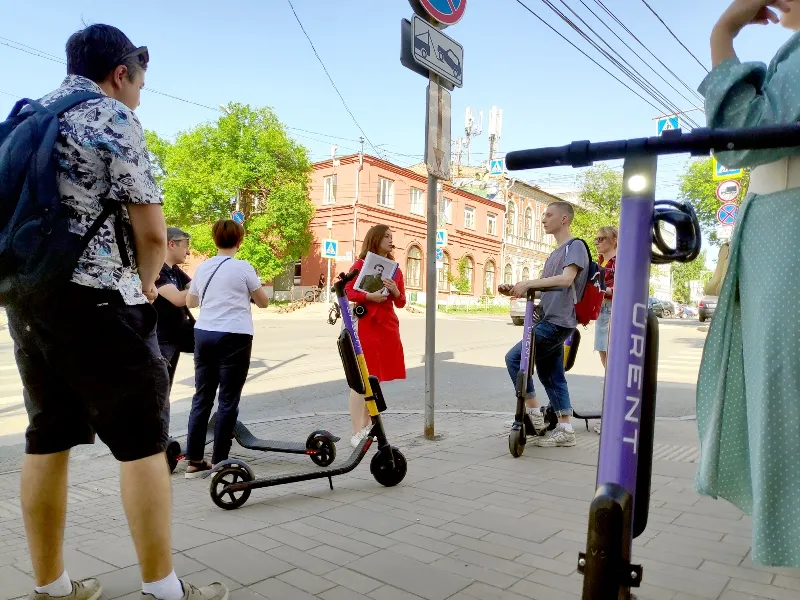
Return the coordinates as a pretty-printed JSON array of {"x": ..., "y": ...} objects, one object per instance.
[
  {"x": 656, "y": 306},
  {"x": 706, "y": 307},
  {"x": 670, "y": 309},
  {"x": 517, "y": 310}
]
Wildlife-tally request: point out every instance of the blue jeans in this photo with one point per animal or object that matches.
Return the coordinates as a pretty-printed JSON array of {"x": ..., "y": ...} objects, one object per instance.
[
  {"x": 221, "y": 360},
  {"x": 549, "y": 365}
]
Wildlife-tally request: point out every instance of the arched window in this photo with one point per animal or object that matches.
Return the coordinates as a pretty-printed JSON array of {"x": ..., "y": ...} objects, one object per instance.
[
  {"x": 528, "y": 223},
  {"x": 526, "y": 274},
  {"x": 511, "y": 218},
  {"x": 488, "y": 278},
  {"x": 413, "y": 273},
  {"x": 508, "y": 274},
  {"x": 443, "y": 273},
  {"x": 469, "y": 270}
]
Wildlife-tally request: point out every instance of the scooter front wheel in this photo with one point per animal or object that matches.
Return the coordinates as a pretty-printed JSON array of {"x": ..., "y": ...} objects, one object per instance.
[
  {"x": 516, "y": 442},
  {"x": 382, "y": 470},
  {"x": 230, "y": 500}
]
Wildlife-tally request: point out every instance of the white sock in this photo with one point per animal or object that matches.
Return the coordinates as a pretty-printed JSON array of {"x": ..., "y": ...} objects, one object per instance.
[
  {"x": 566, "y": 426},
  {"x": 533, "y": 411},
  {"x": 169, "y": 588},
  {"x": 60, "y": 587}
]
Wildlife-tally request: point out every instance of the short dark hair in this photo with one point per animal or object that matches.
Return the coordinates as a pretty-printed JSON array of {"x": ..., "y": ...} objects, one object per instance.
[
  {"x": 94, "y": 53},
  {"x": 227, "y": 234},
  {"x": 176, "y": 234}
]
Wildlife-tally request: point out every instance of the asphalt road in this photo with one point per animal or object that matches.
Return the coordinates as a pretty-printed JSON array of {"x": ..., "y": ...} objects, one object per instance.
[{"x": 295, "y": 369}]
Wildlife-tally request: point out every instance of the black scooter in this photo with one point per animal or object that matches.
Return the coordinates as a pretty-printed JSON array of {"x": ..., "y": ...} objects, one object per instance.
[
  {"x": 320, "y": 445},
  {"x": 233, "y": 479}
]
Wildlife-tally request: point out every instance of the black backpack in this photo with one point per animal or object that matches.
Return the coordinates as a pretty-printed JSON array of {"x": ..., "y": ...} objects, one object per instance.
[{"x": 38, "y": 252}]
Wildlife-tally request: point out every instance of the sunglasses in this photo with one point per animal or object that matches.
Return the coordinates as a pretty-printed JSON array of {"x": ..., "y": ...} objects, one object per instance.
[
  {"x": 141, "y": 53},
  {"x": 599, "y": 239}
]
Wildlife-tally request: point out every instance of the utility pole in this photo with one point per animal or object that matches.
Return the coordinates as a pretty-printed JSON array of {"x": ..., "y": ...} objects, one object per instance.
[
  {"x": 495, "y": 130},
  {"x": 358, "y": 186},
  {"x": 472, "y": 130}
]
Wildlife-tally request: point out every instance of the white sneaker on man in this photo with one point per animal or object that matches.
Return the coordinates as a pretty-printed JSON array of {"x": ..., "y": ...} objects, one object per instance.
[{"x": 559, "y": 437}]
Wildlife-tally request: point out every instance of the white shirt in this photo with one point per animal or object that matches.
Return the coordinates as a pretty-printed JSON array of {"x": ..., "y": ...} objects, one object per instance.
[{"x": 225, "y": 305}]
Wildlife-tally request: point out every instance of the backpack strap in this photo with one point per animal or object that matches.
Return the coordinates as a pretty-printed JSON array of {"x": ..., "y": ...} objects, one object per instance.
[
  {"x": 69, "y": 102},
  {"x": 203, "y": 295}
]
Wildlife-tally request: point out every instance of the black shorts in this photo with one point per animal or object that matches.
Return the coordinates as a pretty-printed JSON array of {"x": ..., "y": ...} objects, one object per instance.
[{"x": 90, "y": 363}]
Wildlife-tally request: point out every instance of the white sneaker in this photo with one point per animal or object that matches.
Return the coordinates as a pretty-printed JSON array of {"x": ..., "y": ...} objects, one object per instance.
[
  {"x": 597, "y": 429},
  {"x": 559, "y": 437},
  {"x": 359, "y": 436},
  {"x": 537, "y": 420}
]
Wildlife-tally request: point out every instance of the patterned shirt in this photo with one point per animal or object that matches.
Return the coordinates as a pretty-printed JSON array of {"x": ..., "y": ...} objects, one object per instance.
[
  {"x": 609, "y": 268},
  {"x": 101, "y": 156}
]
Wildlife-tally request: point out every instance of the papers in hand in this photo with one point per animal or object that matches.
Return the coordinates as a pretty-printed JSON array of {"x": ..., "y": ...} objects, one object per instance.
[{"x": 375, "y": 269}]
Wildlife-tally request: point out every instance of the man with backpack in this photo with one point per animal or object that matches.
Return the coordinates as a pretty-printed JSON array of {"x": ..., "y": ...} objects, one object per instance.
[
  {"x": 567, "y": 268},
  {"x": 80, "y": 252}
]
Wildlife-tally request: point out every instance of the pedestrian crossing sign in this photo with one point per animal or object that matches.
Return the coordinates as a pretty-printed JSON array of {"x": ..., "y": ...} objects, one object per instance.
[
  {"x": 330, "y": 248},
  {"x": 441, "y": 238},
  {"x": 496, "y": 166},
  {"x": 668, "y": 124},
  {"x": 721, "y": 173}
]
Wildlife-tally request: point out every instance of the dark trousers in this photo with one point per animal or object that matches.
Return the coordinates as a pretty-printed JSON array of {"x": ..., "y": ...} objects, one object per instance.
[{"x": 221, "y": 360}]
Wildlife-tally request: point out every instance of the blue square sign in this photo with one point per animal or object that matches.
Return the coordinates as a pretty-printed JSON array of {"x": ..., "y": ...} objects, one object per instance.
[
  {"x": 330, "y": 248},
  {"x": 441, "y": 238},
  {"x": 496, "y": 166}
]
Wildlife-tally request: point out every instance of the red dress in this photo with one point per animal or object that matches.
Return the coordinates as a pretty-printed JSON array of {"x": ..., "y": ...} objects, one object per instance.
[{"x": 379, "y": 330}]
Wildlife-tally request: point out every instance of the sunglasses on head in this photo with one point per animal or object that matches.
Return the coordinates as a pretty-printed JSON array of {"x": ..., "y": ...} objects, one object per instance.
[{"x": 140, "y": 53}]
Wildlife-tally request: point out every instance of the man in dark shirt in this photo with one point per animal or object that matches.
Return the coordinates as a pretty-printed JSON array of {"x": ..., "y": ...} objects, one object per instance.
[{"x": 175, "y": 322}]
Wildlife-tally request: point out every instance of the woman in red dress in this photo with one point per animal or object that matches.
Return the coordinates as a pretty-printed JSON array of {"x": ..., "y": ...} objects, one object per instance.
[{"x": 379, "y": 329}]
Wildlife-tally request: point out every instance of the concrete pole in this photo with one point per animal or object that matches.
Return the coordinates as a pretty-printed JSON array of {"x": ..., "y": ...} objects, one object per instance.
[{"x": 431, "y": 299}]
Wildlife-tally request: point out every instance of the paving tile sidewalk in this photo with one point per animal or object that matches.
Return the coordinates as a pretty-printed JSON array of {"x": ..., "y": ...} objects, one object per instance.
[{"x": 469, "y": 522}]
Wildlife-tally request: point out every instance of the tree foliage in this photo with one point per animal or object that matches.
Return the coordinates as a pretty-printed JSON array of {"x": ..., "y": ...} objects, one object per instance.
[
  {"x": 683, "y": 273},
  {"x": 600, "y": 195},
  {"x": 245, "y": 152},
  {"x": 462, "y": 282},
  {"x": 697, "y": 185}
]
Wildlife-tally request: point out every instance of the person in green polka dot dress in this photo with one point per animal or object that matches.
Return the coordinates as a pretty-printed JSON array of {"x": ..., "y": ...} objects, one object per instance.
[{"x": 748, "y": 391}]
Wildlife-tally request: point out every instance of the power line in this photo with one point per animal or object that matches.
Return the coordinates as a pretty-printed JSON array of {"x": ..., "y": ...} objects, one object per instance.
[
  {"x": 626, "y": 68},
  {"x": 599, "y": 18},
  {"x": 563, "y": 37},
  {"x": 324, "y": 68},
  {"x": 673, "y": 35},
  {"x": 642, "y": 44}
]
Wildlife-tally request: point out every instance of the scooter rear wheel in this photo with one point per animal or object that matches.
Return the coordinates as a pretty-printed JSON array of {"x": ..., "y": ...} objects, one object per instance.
[
  {"x": 382, "y": 471},
  {"x": 225, "y": 477},
  {"x": 516, "y": 442}
]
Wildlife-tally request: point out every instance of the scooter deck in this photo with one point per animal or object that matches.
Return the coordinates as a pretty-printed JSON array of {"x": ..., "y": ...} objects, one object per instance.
[
  {"x": 355, "y": 459},
  {"x": 245, "y": 438}
]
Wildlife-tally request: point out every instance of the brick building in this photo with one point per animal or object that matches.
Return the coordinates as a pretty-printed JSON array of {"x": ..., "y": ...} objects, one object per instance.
[{"x": 352, "y": 194}]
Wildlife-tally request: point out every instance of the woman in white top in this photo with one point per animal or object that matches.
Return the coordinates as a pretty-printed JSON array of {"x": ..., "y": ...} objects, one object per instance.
[{"x": 222, "y": 287}]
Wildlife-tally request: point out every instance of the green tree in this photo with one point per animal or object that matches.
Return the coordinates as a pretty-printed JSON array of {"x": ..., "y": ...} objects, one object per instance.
[
  {"x": 600, "y": 195},
  {"x": 245, "y": 153},
  {"x": 462, "y": 282},
  {"x": 697, "y": 185},
  {"x": 683, "y": 273}
]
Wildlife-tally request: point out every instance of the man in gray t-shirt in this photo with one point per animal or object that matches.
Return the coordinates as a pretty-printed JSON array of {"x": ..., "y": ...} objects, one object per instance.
[{"x": 566, "y": 269}]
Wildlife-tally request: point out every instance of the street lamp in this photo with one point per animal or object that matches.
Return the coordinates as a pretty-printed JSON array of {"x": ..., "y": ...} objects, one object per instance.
[
  {"x": 228, "y": 112},
  {"x": 224, "y": 109}
]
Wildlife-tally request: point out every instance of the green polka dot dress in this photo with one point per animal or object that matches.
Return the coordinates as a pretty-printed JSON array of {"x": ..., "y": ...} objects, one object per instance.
[{"x": 748, "y": 391}]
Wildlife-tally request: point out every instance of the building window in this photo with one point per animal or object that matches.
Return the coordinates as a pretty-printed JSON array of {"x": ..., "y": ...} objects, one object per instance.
[
  {"x": 298, "y": 270},
  {"x": 469, "y": 217},
  {"x": 385, "y": 192},
  {"x": 469, "y": 268},
  {"x": 330, "y": 190},
  {"x": 488, "y": 278},
  {"x": 417, "y": 204},
  {"x": 511, "y": 219},
  {"x": 526, "y": 274},
  {"x": 491, "y": 224},
  {"x": 443, "y": 273},
  {"x": 528, "y": 223},
  {"x": 508, "y": 274},
  {"x": 414, "y": 267},
  {"x": 445, "y": 211}
]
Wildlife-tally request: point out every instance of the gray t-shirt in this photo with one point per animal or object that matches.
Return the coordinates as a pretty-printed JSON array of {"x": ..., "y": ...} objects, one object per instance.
[{"x": 559, "y": 307}]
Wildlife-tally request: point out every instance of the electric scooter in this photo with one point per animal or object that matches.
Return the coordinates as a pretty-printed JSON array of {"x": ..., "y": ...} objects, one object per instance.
[
  {"x": 320, "y": 445},
  {"x": 522, "y": 428},
  {"x": 619, "y": 511},
  {"x": 233, "y": 479}
]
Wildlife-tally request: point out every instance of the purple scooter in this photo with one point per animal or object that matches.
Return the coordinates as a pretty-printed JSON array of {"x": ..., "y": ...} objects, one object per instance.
[{"x": 619, "y": 510}]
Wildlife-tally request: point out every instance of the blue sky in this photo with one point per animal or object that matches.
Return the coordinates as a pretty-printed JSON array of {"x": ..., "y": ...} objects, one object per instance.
[{"x": 254, "y": 52}]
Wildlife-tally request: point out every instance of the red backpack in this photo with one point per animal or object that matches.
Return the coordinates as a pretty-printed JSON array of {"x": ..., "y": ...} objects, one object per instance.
[{"x": 587, "y": 309}]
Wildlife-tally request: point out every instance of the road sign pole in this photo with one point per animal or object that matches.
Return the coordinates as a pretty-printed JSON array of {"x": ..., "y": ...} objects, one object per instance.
[
  {"x": 328, "y": 284},
  {"x": 430, "y": 295}
]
